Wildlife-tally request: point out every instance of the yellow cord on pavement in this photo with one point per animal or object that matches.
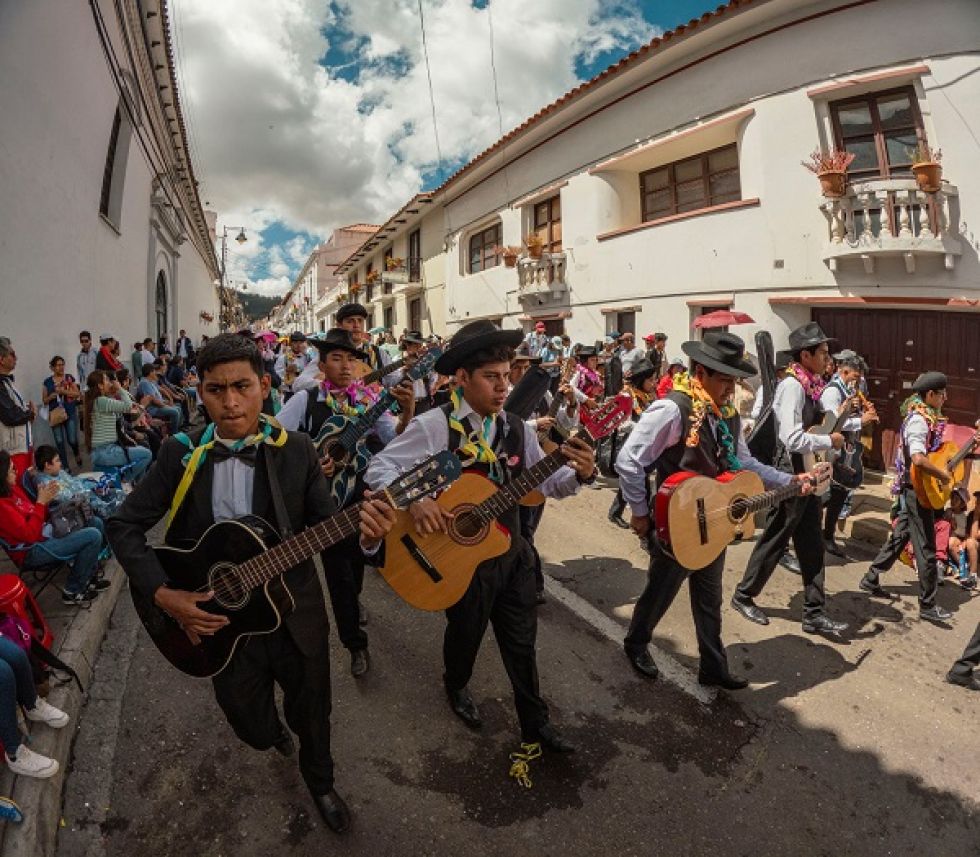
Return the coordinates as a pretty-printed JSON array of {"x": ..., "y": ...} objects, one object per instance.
[{"x": 520, "y": 767}]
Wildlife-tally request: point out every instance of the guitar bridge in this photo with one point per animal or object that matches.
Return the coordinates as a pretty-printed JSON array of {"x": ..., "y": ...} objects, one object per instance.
[
  {"x": 416, "y": 553},
  {"x": 702, "y": 521}
]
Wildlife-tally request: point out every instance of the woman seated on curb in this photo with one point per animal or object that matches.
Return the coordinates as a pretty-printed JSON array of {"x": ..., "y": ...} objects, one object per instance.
[
  {"x": 17, "y": 688},
  {"x": 48, "y": 467},
  {"x": 101, "y": 439},
  {"x": 24, "y": 527}
]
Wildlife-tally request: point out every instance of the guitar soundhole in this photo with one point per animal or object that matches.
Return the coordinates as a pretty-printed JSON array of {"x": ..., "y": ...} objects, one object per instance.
[
  {"x": 229, "y": 589},
  {"x": 466, "y": 528},
  {"x": 738, "y": 510}
]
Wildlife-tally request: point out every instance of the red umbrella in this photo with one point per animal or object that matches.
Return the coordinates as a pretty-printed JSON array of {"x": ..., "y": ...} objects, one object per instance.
[{"x": 722, "y": 318}]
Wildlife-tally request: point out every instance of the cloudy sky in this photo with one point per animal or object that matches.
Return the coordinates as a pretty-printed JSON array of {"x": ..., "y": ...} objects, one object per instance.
[{"x": 305, "y": 115}]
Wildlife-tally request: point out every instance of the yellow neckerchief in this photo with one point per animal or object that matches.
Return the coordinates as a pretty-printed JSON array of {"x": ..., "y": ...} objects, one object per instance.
[
  {"x": 701, "y": 401},
  {"x": 270, "y": 432},
  {"x": 474, "y": 445},
  {"x": 641, "y": 400}
]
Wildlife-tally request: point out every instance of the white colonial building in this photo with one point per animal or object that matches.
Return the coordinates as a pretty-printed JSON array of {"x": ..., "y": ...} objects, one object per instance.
[
  {"x": 671, "y": 185},
  {"x": 101, "y": 224}
]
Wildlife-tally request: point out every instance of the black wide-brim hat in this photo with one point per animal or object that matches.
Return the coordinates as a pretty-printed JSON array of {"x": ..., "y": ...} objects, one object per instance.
[
  {"x": 413, "y": 336},
  {"x": 809, "y": 336},
  {"x": 336, "y": 339},
  {"x": 473, "y": 337},
  {"x": 928, "y": 381},
  {"x": 585, "y": 352},
  {"x": 642, "y": 369},
  {"x": 350, "y": 311},
  {"x": 723, "y": 352}
]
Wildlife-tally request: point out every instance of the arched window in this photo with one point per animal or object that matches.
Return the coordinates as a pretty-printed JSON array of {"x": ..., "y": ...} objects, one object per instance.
[{"x": 161, "y": 305}]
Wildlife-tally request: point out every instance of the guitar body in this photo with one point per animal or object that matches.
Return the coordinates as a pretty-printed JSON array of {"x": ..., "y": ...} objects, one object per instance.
[
  {"x": 693, "y": 516},
  {"x": 210, "y": 564},
  {"x": 432, "y": 572},
  {"x": 349, "y": 457},
  {"x": 930, "y": 491}
]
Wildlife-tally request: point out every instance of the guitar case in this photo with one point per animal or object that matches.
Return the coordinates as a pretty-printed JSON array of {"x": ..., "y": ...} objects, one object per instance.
[
  {"x": 528, "y": 393},
  {"x": 763, "y": 438}
]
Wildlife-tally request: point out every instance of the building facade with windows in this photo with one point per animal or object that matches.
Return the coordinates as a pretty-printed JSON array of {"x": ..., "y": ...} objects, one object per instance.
[
  {"x": 101, "y": 226},
  {"x": 671, "y": 185}
]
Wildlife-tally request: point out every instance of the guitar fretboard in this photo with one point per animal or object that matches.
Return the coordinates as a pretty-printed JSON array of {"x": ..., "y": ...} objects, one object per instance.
[{"x": 769, "y": 498}]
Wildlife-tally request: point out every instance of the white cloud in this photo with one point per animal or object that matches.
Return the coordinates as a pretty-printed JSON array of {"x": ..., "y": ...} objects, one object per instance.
[{"x": 277, "y": 137}]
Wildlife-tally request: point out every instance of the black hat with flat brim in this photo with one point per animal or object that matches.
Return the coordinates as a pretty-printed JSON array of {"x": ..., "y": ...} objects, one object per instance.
[
  {"x": 585, "y": 352},
  {"x": 809, "y": 336},
  {"x": 351, "y": 311},
  {"x": 414, "y": 336},
  {"x": 722, "y": 352},
  {"x": 336, "y": 339},
  {"x": 642, "y": 369},
  {"x": 473, "y": 337},
  {"x": 929, "y": 381}
]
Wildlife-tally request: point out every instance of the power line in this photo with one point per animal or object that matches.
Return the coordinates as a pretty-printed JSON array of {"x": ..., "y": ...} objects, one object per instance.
[{"x": 428, "y": 72}]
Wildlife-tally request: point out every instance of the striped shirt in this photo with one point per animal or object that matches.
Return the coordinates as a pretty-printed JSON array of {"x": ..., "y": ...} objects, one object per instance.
[{"x": 104, "y": 413}]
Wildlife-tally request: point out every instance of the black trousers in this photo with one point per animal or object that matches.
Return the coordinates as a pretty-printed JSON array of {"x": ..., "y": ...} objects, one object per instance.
[
  {"x": 618, "y": 505},
  {"x": 797, "y": 519},
  {"x": 663, "y": 582},
  {"x": 970, "y": 657},
  {"x": 530, "y": 519},
  {"x": 343, "y": 568},
  {"x": 915, "y": 523},
  {"x": 835, "y": 502},
  {"x": 245, "y": 692},
  {"x": 501, "y": 592}
]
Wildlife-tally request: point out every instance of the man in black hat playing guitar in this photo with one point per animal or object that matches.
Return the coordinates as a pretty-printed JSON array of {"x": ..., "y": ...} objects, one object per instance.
[
  {"x": 249, "y": 458},
  {"x": 796, "y": 406},
  {"x": 353, "y": 318},
  {"x": 694, "y": 428},
  {"x": 498, "y": 445}
]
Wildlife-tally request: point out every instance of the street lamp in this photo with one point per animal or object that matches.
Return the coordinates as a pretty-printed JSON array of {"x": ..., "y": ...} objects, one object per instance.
[{"x": 241, "y": 238}]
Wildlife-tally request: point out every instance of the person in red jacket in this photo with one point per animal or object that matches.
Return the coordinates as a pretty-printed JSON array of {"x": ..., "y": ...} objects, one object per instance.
[
  {"x": 107, "y": 359},
  {"x": 666, "y": 384},
  {"x": 24, "y": 527}
]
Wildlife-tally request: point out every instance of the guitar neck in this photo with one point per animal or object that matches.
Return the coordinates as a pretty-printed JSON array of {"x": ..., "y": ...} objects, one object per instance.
[
  {"x": 378, "y": 374},
  {"x": 359, "y": 427},
  {"x": 769, "y": 498},
  {"x": 963, "y": 452}
]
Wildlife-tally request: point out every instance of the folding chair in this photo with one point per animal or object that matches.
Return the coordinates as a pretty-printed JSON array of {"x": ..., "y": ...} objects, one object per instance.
[{"x": 41, "y": 576}]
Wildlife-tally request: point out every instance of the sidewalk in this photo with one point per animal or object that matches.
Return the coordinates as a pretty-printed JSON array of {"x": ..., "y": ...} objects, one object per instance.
[{"x": 78, "y": 634}]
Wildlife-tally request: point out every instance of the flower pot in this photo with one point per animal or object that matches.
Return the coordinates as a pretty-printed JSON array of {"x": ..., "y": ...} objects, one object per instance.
[
  {"x": 929, "y": 176},
  {"x": 832, "y": 183},
  {"x": 535, "y": 252},
  {"x": 510, "y": 260}
]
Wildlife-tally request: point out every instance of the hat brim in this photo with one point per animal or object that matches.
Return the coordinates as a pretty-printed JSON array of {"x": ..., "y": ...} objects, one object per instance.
[
  {"x": 744, "y": 369},
  {"x": 456, "y": 355},
  {"x": 326, "y": 347}
]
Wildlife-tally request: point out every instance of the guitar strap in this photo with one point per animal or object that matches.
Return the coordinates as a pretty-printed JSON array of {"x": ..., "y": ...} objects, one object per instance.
[{"x": 278, "y": 504}]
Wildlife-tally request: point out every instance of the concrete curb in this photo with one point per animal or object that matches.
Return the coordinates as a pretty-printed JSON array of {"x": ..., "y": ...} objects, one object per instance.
[{"x": 41, "y": 800}]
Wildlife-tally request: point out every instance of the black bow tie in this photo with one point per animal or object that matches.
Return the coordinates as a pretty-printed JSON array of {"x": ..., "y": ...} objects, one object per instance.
[{"x": 220, "y": 452}]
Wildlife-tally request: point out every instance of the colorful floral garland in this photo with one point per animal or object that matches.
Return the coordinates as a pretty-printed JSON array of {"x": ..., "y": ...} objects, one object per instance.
[
  {"x": 813, "y": 385},
  {"x": 701, "y": 401},
  {"x": 359, "y": 398}
]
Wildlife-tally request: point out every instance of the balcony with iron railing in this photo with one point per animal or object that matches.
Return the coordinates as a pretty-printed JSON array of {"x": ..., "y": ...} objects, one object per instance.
[
  {"x": 541, "y": 276},
  {"x": 404, "y": 279},
  {"x": 892, "y": 217}
]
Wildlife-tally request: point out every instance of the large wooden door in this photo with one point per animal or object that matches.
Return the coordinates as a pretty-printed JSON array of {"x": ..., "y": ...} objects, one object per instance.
[{"x": 900, "y": 344}]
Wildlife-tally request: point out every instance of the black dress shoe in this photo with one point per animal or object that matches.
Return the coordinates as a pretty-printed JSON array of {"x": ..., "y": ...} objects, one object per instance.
[
  {"x": 790, "y": 563},
  {"x": 539, "y": 597},
  {"x": 643, "y": 663},
  {"x": 284, "y": 744},
  {"x": 362, "y": 614},
  {"x": 968, "y": 681},
  {"x": 935, "y": 614},
  {"x": 830, "y": 546},
  {"x": 464, "y": 707},
  {"x": 551, "y": 738},
  {"x": 726, "y": 682},
  {"x": 875, "y": 589},
  {"x": 822, "y": 625},
  {"x": 747, "y": 607},
  {"x": 360, "y": 662},
  {"x": 619, "y": 522},
  {"x": 333, "y": 811}
]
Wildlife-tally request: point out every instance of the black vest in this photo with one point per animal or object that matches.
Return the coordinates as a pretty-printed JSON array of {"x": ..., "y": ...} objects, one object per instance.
[
  {"x": 812, "y": 415},
  {"x": 373, "y": 354},
  {"x": 707, "y": 458},
  {"x": 509, "y": 447}
]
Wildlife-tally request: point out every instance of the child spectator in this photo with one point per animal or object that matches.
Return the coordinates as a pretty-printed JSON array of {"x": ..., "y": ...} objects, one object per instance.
[
  {"x": 962, "y": 562},
  {"x": 47, "y": 463}
]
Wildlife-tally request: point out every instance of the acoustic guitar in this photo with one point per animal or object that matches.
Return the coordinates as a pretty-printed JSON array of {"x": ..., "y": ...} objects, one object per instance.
[
  {"x": 363, "y": 372},
  {"x": 697, "y": 517},
  {"x": 243, "y": 560},
  {"x": 343, "y": 439},
  {"x": 432, "y": 571},
  {"x": 929, "y": 491},
  {"x": 832, "y": 423}
]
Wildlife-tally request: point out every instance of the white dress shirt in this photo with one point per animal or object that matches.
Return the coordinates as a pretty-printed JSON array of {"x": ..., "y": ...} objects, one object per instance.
[
  {"x": 231, "y": 486},
  {"x": 428, "y": 434},
  {"x": 659, "y": 428},
  {"x": 831, "y": 399},
  {"x": 917, "y": 434},
  {"x": 787, "y": 404},
  {"x": 293, "y": 415}
]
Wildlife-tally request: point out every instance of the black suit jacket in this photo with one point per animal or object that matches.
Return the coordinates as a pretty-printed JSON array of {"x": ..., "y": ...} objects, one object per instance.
[{"x": 307, "y": 500}]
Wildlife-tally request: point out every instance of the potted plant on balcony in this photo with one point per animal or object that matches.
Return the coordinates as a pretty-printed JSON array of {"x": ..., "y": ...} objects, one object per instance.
[
  {"x": 535, "y": 245},
  {"x": 509, "y": 253},
  {"x": 926, "y": 167},
  {"x": 372, "y": 277},
  {"x": 393, "y": 263},
  {"x": 831, "y": 169}
]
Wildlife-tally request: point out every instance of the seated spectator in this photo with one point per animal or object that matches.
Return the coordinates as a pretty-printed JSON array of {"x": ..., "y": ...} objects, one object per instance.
[
  {"x": 157, "y": 406},
  {"x": 101, "y": 438},
  {"x": 962, "y": 549},
  {"x": 17, "y": 688},
  {"x": 180, "y": 379},
  {"x": 24, "y": 527},
  {"x": 666, "y": 384},
  {"x": 61, "y": 390},
  {"x": 47, "y": 464},
  {"x": 106, "y": 360},
  {"x": 138, "y": 430}
]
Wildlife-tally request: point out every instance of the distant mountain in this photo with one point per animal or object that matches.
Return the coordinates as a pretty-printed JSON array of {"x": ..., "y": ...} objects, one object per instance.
[{"x": 256, "y": 306}]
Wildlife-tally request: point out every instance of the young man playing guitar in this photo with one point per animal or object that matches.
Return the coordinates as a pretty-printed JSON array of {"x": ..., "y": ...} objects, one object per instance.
[
  {"x": 500, "y": 446},
  {"x": 353, "y": 318},
  {"x": 796, "y": 406},
  {"x": 248, "y": 462},
  {"x": 694, "y": 428},
  {"x": 921, "y": 433},
  {"x": 340, "y": 394}
]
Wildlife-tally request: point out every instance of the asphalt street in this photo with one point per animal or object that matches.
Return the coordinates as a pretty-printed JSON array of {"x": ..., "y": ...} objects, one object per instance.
[{"x": 847, "y": 747}]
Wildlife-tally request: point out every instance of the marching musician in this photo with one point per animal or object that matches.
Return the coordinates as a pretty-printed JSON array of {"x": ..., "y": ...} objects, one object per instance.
[
  {"x": 796, "y": 405},
  {"x": 694, "y": 428},
  {"x": 340, "y": 394},
  {"x": 353, "y": 318},
  {"x": 248, "y": 459},
  {"x": 923, "y": 426},
  {"x": 642, "y": 387},
  {"x": 585, "y": 382},
  {"x": 498, "y": 445},
  {"x": 291, "y": 363},
  {"x": 412, "y": 344}
]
